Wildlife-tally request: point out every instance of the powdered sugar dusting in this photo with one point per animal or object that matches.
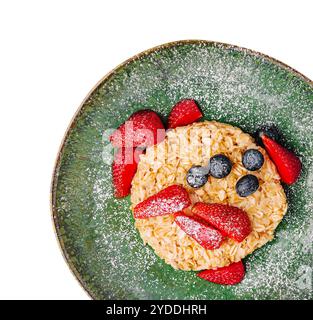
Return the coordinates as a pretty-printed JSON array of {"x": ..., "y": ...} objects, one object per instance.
[{"x": 231, "y": 86}]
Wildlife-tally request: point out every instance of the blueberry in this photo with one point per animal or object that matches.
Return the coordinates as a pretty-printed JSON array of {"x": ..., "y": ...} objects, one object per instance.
[
  {"x": 197, "y": 176},
  {"x": 220, "y": 166},
  {"x": 270, "y": 130},
  {"x": 247, "y": 185},
  {"x": 252, "y": 159}
]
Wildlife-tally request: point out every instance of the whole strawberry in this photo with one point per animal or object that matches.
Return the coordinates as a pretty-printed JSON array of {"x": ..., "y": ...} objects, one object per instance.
[
  {"x": 230, "y": 275},
  {"x": 169, "y": 200},
  {"x": 287, "y": 163},
  {"x": 207, "y": 236},
  {"x": 230, "y": 221},
  {"x": 124, "y": 168},
  {"x": 143, "y": 128},
  {"x": 183, "y": 113}
]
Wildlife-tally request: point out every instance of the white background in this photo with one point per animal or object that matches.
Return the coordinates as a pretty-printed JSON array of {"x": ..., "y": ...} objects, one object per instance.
[{"x": 51, "y": 54}]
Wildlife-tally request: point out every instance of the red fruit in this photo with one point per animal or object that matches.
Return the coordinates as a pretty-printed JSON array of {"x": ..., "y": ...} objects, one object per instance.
[
  {"x": 169, "y": 200},
  {"x": 143, "y": 128},
  {"x": 183, "y": 113},
  {"x": 287, "y": 163},
  {"x": 124, "y": 168},
  {"x": 231, "y": 221},
  {"x": 208, "y": 237},
  {"x": 230, "y": 275}
]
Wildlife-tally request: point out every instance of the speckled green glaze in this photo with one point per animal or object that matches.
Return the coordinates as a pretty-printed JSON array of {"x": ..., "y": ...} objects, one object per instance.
[{"x": 231, "y": 85}]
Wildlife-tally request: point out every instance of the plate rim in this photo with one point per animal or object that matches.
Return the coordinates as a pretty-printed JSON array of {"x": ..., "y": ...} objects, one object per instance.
[{"x": 80, "y": 109}]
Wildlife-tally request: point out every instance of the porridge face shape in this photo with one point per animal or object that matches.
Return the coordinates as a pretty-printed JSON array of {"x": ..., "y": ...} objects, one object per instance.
[{"x": 168, "y": 162}]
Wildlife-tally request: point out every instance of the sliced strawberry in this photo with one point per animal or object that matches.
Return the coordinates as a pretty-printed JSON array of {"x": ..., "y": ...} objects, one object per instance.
[
  {"x": 144, "y": 128},
  {"x": 287, "y": 163},
  {"x": 230, "y": 275},
  {"x": 169, "y": 200},
  {"x": 207, "y": 236},
  {"x": 183, "y": 113},
  {"x": 123, "y": 170},
  {"x": 231, "y": 221}
]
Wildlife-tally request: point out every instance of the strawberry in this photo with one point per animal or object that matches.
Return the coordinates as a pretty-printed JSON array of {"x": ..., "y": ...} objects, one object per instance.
[
  {"x": 230, "y": 221},
  {"x": 169, "y": 200},
  {"x": 143, "y": 128},
  {"x": 208, "y": 237},
  {"x": 183, "y": 113},
  {"x": 124, "y": 168},
  {"x": 287, "y": 163},
  {"x": 230, "y": 275}
]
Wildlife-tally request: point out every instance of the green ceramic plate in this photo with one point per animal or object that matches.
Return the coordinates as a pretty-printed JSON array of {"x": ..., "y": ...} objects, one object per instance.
[{"x": 232, "y": 85}]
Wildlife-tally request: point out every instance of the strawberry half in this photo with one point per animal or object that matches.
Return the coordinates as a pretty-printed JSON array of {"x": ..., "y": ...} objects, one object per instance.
[
  {"x": 287, "y": 163},
  {"x": 231, "y": 221},
  {"x": 169, "y": 200},
  {"x": 124, "y": 168},
  {"x": 230, "y": 275},
  {"x": 183, "y": 113},
  {"x": 143, "y": 128},
  {"x": 208, "y": 237}
]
